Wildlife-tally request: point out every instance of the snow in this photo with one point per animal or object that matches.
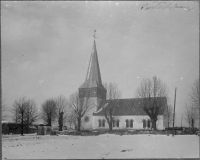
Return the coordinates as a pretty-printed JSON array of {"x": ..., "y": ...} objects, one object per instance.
[{"x": 102, "y": 146}]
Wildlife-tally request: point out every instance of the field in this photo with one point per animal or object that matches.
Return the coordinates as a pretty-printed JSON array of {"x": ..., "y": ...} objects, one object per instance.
[{"x": 99, "y": 147}]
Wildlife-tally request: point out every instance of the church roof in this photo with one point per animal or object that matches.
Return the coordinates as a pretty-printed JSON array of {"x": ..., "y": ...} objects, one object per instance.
[
  {"x": 124, "y": 107},
  {"x": 93, "y": 77}
]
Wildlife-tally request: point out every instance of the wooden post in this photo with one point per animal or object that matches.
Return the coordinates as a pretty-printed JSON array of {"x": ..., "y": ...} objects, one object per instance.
[
  {"x": 174, "y": 111},
  {"x": 181, "y": 120}
]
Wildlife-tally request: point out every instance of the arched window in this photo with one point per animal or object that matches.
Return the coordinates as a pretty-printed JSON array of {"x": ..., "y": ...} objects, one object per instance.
[
  {"x": 127, "y": 123},
  {"x": 103, "y": 123},
  {"x": 131, "y": 123},
  {"x": 99, "y": 123},
  {"x": 117, "y": 123},
  {"x": 113, "y": 123},
  {"x": 144, "y": 123},
  {"x": 149, "y": 122}
]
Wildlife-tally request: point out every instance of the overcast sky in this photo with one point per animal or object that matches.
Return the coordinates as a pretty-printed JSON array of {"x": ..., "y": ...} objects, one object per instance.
[{"x": 46, "y": 47}]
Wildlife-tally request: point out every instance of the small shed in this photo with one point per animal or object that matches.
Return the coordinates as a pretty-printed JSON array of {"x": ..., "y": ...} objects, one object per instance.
[
  {"x": 5, "y": 129},
  {"x": 44, "y": 130},
  {"x": 11, "y": 127}
]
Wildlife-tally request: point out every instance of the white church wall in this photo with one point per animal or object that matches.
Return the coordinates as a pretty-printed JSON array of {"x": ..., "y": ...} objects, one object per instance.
[
  {"x": 165, "y": 121},
  {"x": 160, "y": 123},
  {"x": 137, "y": 122},
  {"x": 94, "y": 102},
  {"x": 85, "y": 123}
]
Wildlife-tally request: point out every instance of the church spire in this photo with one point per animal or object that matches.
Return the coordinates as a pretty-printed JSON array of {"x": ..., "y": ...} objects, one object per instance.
[{"x": 93, "y": 77}]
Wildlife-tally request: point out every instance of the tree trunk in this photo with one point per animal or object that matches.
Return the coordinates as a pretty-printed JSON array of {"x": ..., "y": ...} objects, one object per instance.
[
  {"x": 168, "y": 124},
  {"x": 28, "y": 124},
  {"x": 189, "y": 126},
  {"x": 22, "y": 124},
  {"x": 28, "y": 130},
  {"x": 192, "y": 124},
  {"x": 79, "y": 124},
  {"x": 60, "y": 121},
  {"x": 49, "y": 122},
  {"x": 154, "y": 124},
  {"x": 110, "y": 126},
  {"x": 60, "y": 127}
]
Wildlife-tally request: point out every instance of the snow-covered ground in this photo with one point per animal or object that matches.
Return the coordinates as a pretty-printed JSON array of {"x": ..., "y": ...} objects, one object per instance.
[{"x": 102, "y": 146}]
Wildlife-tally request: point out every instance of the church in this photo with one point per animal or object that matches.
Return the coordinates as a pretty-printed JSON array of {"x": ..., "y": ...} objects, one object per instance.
[{"x": 128, "y": 114}]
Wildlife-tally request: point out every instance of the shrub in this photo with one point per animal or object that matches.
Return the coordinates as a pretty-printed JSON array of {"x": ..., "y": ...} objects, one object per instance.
[{"x": 53, "y": 132}]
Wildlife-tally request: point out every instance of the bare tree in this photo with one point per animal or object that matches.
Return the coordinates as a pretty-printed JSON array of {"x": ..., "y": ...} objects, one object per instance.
[
  {"x": 15, "y": 113},
  {"x": 191, "y": 116},
  {"x": 31, "y": 113},
  {"x": 62, "y": 108},
  {"x": 72, "y": 120},
  {"x": 169, "y": 114},
  {"x": 194, "y": 94},
  {"x": 153, "y": 98},
  {"x": 112, "y": 96},
  {"x": 21, "y": 106},
  {"x": 24, "y": 112},
  {"x": 49, "y": 111},
  {"x": 3, "y": 110},
  {"x": 80, "y": 106}
]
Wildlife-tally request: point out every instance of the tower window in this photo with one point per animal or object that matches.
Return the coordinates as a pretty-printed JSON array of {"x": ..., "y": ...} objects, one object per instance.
[
  {"x": 144, "y": 123},
  {"x": 99, "y": 123},
  {"x": 131, "y": 123},
  {"x": 117, "y": 123},
  {"x": 127, "y": 123},
  {"x": 149, "y": 122},
  {"x": 103, "y": 123}
]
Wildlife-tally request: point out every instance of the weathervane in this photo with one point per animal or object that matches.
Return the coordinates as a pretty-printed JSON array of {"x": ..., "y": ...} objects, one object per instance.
[{"x": 94, "y": 34}]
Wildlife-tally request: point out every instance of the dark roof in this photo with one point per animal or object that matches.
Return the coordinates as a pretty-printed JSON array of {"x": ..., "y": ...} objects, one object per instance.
[
  {"x": 14, "y": 125},
  {"x": 124, "y": 107},
  {"x": 93, "y": 77},
  {"x": 10, "y": 123}
]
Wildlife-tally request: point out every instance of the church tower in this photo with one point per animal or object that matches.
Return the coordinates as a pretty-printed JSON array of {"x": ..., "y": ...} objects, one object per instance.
[{"x": 92, "y": 88}]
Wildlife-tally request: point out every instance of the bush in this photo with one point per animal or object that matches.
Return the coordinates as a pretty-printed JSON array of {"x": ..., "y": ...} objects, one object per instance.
[
  {"x": 55, "y": 128},
  {"x": 53, "y": 132}
]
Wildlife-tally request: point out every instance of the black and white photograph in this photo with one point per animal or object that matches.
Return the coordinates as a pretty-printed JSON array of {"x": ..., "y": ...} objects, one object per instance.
[{"x": 99, "y": 79}]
